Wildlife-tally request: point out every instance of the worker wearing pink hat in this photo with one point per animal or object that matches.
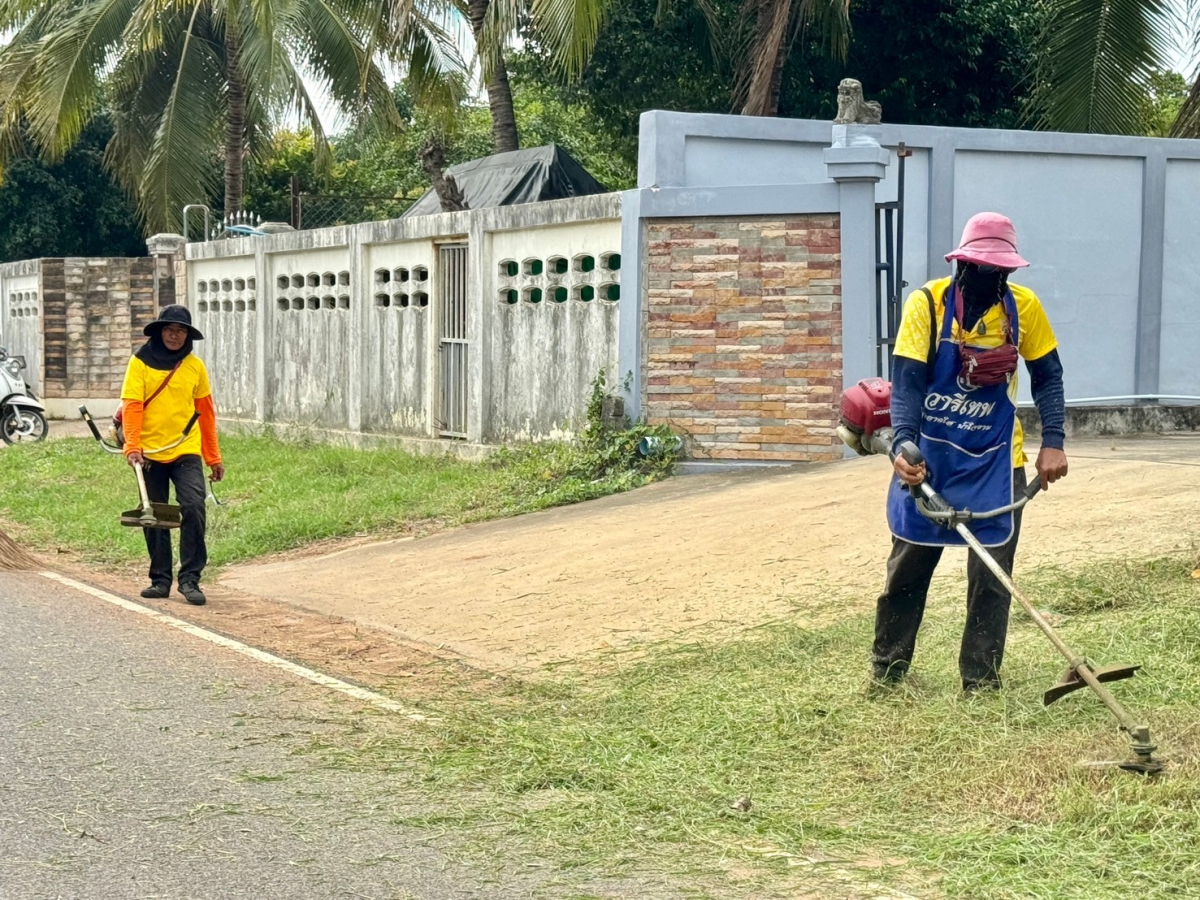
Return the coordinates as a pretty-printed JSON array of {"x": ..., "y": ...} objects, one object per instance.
[
  {"x": 989, "y": 240},
  {"x": 954, "y": 393}
]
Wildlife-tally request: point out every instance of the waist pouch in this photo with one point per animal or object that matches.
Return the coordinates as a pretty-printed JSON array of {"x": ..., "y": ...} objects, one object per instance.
[{"x": 984, "y": 368}]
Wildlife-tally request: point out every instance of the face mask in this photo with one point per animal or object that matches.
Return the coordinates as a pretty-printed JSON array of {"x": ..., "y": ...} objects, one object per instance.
[{"x": 982, "y": 286}]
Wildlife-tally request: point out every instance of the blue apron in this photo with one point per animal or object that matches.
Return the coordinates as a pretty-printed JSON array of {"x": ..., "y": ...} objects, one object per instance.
[{"x": 966, "y": 436}]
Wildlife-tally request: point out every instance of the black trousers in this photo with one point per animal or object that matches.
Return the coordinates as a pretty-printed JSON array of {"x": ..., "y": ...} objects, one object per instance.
[
  {"x": 187, "y": 474},
  {"x": 899, "y": 610}
]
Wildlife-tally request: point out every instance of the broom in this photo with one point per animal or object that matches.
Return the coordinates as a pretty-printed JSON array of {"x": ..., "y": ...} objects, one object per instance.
[{"x": 13, "y": 557}]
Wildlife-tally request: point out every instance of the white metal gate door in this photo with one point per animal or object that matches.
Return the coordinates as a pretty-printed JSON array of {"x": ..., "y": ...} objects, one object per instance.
[{"x": 452, "y": 305}]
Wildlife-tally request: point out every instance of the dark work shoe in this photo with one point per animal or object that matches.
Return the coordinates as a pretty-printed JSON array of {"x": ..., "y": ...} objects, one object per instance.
[
  {"x": 192, "y": 594},
  {"x": 157, "y": 591},
  {"x": 892, "y": 674},
  {"x": 982, "y": 686}
]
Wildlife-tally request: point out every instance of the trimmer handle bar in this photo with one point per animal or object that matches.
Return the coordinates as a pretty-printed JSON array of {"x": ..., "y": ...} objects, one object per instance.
[
  {"x": 933, "y": 505},
  {"x": 114, "y": 449}
]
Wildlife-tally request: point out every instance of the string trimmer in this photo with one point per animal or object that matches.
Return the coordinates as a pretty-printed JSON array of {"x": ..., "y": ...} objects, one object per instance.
[
  {"x": 148, "y": 515},
  {"x": 866, "y": 429}
]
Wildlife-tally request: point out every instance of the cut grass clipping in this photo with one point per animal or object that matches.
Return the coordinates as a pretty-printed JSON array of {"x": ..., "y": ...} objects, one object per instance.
[
  {"x": 279, "y": 495},
  {"x": 915, "y": 787}
]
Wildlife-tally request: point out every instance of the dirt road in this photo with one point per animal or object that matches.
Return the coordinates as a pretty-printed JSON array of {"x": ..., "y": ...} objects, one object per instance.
[{"x": 706, "y": 553}]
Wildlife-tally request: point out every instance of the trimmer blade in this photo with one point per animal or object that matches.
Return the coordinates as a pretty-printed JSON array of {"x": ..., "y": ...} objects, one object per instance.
[
  {"x": 1070, "y": 681},
  {"x": 166, "y": 515},
  {"x": 1137, "y": 765}
]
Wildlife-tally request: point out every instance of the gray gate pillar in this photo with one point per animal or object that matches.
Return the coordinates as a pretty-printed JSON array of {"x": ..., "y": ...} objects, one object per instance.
[
  {"x": 167, "y": 251},
  {"x": 857, "y": 162}
]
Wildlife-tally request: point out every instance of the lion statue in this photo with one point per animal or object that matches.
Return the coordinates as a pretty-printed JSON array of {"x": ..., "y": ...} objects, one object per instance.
[{"x": 852, "y": 108}]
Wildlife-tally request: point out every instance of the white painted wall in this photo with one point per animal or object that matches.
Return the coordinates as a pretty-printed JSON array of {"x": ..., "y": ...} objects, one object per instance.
[
  {"x": 225, "y": 307},
  {"x": 341, "y": 330},
  {"x": 21, "y": 324},
  {"x": 548, "y": 347}
]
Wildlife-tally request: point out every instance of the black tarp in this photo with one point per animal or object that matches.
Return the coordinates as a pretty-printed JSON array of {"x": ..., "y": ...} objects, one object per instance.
[{"x": 522, "y": 176}]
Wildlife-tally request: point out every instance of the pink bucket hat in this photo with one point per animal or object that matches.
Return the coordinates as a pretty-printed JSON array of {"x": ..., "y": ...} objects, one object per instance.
[{"x": 989, "y": 239}]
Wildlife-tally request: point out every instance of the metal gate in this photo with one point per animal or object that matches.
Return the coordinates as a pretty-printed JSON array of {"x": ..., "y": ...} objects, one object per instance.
[
  {"x": 452, "y": 317},
  {"x": 889, "y": 270}
]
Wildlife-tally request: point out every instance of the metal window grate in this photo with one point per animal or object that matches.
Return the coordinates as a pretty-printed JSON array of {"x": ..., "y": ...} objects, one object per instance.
[{"x": 452, "y": 306}]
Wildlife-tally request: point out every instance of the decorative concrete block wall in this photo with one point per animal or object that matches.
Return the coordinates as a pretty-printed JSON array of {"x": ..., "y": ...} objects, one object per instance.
[
  {"x": 356, "y": 331},
  {"x": 743, "y": 334}
]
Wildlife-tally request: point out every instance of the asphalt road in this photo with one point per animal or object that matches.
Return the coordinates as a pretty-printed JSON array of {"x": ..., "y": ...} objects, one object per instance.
[{"x": 139, "y": 762}]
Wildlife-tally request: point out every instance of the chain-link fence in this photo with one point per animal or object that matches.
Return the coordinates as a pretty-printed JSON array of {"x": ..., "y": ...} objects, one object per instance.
[{"x": 325, "y": 211}]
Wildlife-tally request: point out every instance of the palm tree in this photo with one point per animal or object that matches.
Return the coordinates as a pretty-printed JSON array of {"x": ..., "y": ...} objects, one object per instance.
[
  {"x": 1096, "y": 59},
  {"x": 773, "y": 26},
  {"x": 491, "y": 24},
  {"x": 183, "y": 79}
]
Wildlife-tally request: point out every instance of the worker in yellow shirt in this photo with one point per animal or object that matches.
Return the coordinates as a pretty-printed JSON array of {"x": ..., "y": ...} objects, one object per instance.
[
  {"x": 165, "y": 385},
  {"x": 954, "y": 392}
]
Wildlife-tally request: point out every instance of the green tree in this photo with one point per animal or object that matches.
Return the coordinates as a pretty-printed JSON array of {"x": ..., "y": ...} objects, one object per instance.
[
  {"x": 366, "y": 163},
  {"x": 197, "y": 87},
  {"x": 931, "y": 62},
  {"x": 70, "y": 208},
  {"x": 961, "y": 63},
  {"x": 1167, "y": 92}
]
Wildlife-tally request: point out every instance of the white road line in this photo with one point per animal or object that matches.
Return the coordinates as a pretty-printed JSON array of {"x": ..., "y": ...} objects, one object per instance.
[{"x": 261, "y": 656}]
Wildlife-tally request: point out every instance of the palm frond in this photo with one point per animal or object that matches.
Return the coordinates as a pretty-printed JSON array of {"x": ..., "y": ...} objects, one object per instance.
[
  {"x": 15, "y": 15},
  {"x": 570, "y": 29},
  {"x": 177, "y": 163},
  {"x": 18, "y": 61},
  {"x": 830, "y": 21},
  {"x": 68, "y": 72},
  {"x": 335, "y": 55},
  {"x": 302, "y": 103},
  {"x": 435, "y": 72},
  {"x": 1096, "y": 56}
]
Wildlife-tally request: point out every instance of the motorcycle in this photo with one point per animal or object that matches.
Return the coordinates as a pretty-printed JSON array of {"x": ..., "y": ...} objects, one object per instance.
[{"x": 22, "y": 415}]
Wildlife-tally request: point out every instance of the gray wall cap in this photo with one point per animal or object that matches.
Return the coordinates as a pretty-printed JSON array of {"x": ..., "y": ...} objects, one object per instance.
[
  {"x": 165, "y": 244},
  {"x": 862, "y": 162}
]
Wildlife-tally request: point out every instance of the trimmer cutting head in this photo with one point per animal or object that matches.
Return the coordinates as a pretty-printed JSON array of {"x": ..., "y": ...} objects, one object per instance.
[{"x": 159, "y": 515}]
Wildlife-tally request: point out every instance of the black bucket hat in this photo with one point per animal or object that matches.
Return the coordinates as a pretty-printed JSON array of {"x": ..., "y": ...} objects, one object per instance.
[{"x": 173, "y": 315}]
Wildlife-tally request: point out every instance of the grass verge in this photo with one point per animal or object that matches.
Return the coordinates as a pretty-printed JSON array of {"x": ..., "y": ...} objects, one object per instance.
[
  {"x": 914, "y": 789},
  {"x": 280, "y": 495}
]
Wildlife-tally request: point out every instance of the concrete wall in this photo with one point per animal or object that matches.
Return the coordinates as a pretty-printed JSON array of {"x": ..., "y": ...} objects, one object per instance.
[
  {"x": 21, "y": 317},
  {"x": 1109, "y": 223},
  {"x": 548, "y": 347},
  {"x": 346, "y": 323},
  {"x": 225, "y": 307},
  {"x": 401, "y": 340}
]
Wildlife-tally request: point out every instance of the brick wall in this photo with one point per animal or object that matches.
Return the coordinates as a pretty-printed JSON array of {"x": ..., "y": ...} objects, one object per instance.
[
  {"x": 743, "y": 335},
  {"x": 94, "y": 311}
]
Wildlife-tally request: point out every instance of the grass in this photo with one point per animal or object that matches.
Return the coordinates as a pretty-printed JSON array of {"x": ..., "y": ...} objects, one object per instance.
[
  {"x": 914, "y": 787},
  {"x": 280, "y": 495}
]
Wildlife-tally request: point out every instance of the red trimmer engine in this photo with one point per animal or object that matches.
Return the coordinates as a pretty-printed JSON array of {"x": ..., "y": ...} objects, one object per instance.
[{"x": 866, "y": 426}]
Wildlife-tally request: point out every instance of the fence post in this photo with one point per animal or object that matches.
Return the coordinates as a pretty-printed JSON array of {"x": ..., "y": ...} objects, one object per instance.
[{"x": 295, "y": 185}]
